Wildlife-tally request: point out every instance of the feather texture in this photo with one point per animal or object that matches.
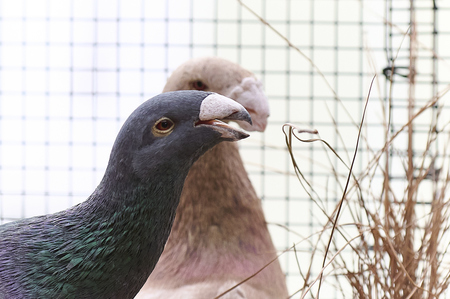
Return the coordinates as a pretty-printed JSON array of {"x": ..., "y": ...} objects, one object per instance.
[
  {"x": 220, "y": 236},
  {"x": 107, "y": 246}
]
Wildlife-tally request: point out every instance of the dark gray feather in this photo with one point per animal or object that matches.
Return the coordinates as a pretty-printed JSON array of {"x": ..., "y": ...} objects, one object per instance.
[{"x": 107, "y": 246}]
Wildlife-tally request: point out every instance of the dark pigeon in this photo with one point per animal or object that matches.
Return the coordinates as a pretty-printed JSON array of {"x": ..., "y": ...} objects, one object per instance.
[{"x": 107, "y": 246}]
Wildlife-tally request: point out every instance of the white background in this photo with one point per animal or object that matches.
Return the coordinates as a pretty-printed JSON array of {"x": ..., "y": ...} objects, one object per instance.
[{"x": 72, "y": 71}]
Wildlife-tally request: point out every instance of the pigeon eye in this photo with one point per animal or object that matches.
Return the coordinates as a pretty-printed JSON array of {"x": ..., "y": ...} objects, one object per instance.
[
  {"x": 163, "y": 127},
  {"x": 199, "y": 85}
]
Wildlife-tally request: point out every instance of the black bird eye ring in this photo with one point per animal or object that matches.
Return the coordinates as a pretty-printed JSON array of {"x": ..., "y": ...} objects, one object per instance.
[{"x": 163, "y": 127}]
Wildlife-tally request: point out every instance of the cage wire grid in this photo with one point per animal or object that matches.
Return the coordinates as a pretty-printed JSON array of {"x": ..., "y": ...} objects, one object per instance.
[{"x": 72, "y": 71}]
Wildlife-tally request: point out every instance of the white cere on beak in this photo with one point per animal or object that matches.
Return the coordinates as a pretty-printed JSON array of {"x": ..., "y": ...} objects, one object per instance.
[
  {"x": 216, "y": 106},
  {"x": 251, "y": 95}
]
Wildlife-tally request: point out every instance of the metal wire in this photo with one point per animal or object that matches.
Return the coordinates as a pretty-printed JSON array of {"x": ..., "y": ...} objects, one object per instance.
[{"x": 72, "y": 71}]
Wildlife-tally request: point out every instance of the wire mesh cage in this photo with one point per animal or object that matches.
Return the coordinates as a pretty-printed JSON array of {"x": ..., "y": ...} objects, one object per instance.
[{"x": 72, "y": 71}]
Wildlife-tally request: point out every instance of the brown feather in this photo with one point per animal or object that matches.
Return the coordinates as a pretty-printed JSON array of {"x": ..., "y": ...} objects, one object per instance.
[
  {"x": 218, "y": 74},
  {"x": 220, "y": 235}
]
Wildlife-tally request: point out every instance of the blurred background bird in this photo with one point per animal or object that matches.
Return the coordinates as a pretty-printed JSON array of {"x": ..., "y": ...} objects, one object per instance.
[
  {"x": 220, "y": 236},
  {"x": 107, "y": 246}
]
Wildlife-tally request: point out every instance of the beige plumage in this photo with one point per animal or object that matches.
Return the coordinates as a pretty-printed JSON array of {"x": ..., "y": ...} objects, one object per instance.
[{"x": 219, "y": 236}]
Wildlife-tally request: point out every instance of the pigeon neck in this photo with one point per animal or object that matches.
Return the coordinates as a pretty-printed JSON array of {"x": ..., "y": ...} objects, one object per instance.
[
  {"x": 219, "y": 229},
  {"x": 136, "y": 205},
  {"x": 131, "y": 220},
  {"x": 218, "y": 194}
]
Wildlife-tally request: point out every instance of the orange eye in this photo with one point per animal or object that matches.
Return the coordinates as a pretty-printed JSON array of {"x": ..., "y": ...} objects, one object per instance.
[
  {"x": 199, "y": 85},
  {"x": 163, "y": 127}
]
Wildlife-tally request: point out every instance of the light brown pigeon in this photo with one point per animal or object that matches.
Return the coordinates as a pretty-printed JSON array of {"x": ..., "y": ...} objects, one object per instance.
[{"x": 219, "y": 236}]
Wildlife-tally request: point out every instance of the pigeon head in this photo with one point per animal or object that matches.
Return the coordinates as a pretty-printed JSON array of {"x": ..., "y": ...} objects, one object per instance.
[
  {"x": 172, "y": 130},
  {"x": 107, "y": 246},
  {"x": 226, "y": 78}
]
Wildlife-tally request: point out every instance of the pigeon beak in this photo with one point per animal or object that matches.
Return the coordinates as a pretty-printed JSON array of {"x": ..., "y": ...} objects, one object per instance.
[
  {"x": 250, "y": 94},
  {"x": 215, "y": 108}
]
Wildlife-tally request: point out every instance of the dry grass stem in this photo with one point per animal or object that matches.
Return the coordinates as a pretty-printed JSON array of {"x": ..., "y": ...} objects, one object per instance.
[{"x": 396, "y": 205}]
